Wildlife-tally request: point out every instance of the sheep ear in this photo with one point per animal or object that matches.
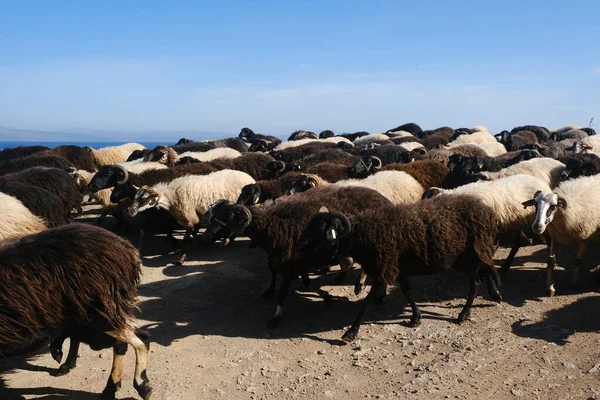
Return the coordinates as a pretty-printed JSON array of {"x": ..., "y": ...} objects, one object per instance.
[
  {"x": 529, "y": 203},
  {"x": 561, "y": 203},
  {"x": 323, "y": 209}
]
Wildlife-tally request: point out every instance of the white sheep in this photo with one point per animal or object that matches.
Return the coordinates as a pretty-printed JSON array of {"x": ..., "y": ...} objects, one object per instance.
[
  {"x": 571, "y": 217},
  {"x": 473, "y": 138},
  {"x": 546, "y": 169},
  {"x": 480, "y": 128},
  {"x": 16, "y": 220},
  {"x": 295, "y": 143},
  {"x": 114, "y": 154},
  {"x": 220, "y": 152},
  {"x": 506, "y": 197},
  {"x": 492, "y": 149},
  {"x": 410, "y": 146},
  {"x": 565, "y": 128},
  {"x": 401, "y": 134},
  {"x": 188, "y": 198},
  {"x": 594, "y": 143},
  {"x": 138, "y": 166}
]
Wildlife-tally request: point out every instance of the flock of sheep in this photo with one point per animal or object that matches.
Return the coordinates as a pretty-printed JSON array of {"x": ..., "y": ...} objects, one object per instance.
[{"x": 407, "y": 202}]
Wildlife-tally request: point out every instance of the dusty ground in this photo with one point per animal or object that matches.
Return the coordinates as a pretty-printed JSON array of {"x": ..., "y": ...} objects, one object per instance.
[{"x": 208, "y": 324}]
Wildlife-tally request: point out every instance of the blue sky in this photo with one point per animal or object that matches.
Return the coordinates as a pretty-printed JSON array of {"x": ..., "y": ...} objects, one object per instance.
[{"x": 280, "y": 66}]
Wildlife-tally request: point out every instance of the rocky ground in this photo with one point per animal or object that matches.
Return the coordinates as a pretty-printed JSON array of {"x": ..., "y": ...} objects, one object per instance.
[{"x": 210, "y": 340}]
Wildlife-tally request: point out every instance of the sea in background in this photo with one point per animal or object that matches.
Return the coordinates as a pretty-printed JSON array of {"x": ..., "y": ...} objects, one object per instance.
[{"x": 95, "y": 145}]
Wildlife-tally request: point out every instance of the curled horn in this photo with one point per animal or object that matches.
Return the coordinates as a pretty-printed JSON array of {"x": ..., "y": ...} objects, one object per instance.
[
  {"x": 280, "y": 165},
  {"x": 379, "y": 165},
  {"x": 248, "y": 216},
  {"x": 125, "y": 174},
  {"x": 346, "y": 225}
]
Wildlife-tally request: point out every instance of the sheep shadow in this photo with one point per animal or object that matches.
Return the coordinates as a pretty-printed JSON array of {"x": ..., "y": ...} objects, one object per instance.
[{"x": 558, "y": 325}]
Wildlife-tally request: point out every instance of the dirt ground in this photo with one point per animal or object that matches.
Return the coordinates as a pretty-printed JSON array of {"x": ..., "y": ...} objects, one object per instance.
[{"x": 210, "y": 340}]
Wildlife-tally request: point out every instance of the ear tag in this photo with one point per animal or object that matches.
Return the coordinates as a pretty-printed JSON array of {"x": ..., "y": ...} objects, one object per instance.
[
  {"x": 333, "y": 235},
  {"x": 480, "y": 165},
  {"x": 256, "y": 200}
]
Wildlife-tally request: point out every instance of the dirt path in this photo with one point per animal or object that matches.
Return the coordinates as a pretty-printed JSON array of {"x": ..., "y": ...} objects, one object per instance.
[{"x": 208, "y": 323}]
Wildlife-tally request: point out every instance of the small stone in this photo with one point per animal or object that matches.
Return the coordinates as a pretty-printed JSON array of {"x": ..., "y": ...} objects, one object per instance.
[
  {"x": 594, "y": 369},
  {"x": 568, "y": 365},
  {"x": 516, "y": 392},
  {"x": 251, "y": 389},
  {"x": 321, "y": 352}
]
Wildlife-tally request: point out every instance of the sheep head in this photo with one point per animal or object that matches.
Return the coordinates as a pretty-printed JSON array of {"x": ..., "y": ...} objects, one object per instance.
[
  {"x": 302, "y": 183},
  {"x": 325, "y": 230},
  {"x": 246, "y": 133},
  {"x": 145, "y": 198},
  {"x": 108, "y": 176},
  {"x": 225, "y": 219},
  {"x": 260, "y": 145},
  {"x": 250, "y": 195},
  {"x": 546, "y": 206},
  {"x": 365, "y": 167}
]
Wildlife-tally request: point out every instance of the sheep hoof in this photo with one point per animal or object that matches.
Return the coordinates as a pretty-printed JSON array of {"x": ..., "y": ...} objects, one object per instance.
[
  {"x": 461, "y": 319},
  {"x": 145, "y": 392},
  {"x": 181, "y": 260},
  {"x": 350, "y": 335},
  {"x": 274, "y": 322},
  {"x": 496, "y": 296},
  {"x": 226, "y": 242},
  {"x": 358, "y": 288},
  {"x": 414, "y": 323},
  {"x": 550, "y": 292},
  {"x": 57, "y": 354}
]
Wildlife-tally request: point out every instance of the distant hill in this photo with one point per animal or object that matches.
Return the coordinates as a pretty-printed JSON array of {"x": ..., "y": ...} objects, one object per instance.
[{"x": 87, "y": 135}]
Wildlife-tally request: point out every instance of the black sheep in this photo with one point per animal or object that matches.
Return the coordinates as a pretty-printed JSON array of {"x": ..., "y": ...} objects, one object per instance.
[
  {"x": 388, "y": 154},
  {"x": 248, "y": 135},
  {"x": 332, "y": 172},
  {"x": 20, "y": 151},
  {"x": 580, "y": 165},
  {"x": 394, "y": 242},
  {"x": 35, "y": 160},
  {"x": 411, "y": 127},
  {"x": 326, "y": 134},
  {"x": 542, "y": 133},
  {"x": 299, "y": 135},
  {"x": 335, "y": 155}
]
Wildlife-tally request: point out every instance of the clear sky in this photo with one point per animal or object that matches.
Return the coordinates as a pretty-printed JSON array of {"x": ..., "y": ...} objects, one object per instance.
[{"x": 278, "y": 66}]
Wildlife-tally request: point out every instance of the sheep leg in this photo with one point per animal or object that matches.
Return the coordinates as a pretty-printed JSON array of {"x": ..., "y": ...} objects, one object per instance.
[
  {"x": 368, "y": 302},
  {"x": 283, "y": 291},
  {"x": 577, "y": 265},
  {"x": 474, "y": 286},
  {"x": 71, "y": 360},
  {"x": 305, "y": 278},
  {"x": 271, "y": 289},
  {"x": 186, "y": 238},
  {"x": 415, "y": 319},
  {"x": 494, "y": 284},
  {"x": 116, "y": 372},
  {"x": 141, "y": 383},
  {"x": 360, "y": 282},
  {"x": 56, "y": 347},
  {"x": 102, "y": 216},
  {"x": 550, "y": 290}
]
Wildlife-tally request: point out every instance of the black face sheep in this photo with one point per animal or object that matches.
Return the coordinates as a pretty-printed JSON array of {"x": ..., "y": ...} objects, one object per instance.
[
  {"x": 262, "y": 191},
  {"x": 570, "y": 218},
  {"x": 114, "y": 154},
  {"x": 353, "y": 136},
  {"x": 248, "y": 135},
  {"x": 276, "y": 169},
  {"x": 36, "y": 160},
  {"x": 580, "y": 165},
  {"x": 388, "y": 154},
  {"x": 518, "y": 140},
  {"x": 75, "y": 281},
  {"x": 542, "y": 133},
  {"x": 20, "y": 151},
  {"x": 576, "y": 134},
  {"x": 193, "y": 146},
  {"x": 335, "y": 155},
  {"x": 589, "y": 131},
  {"x": 427, "y": 172},
  {"x": 276, "y": 226},
  {"x": 393, "y": 243},
  {"x": 336, "y": 172},
  {"x": 254, "y": 164},
  {"x": 138, "y": 154},
  {"x": 296, "y": 153},
  {"x": 54, "y": 180}
]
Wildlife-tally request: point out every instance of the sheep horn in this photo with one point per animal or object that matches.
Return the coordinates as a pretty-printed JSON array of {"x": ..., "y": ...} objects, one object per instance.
[
  {"x": 378, "y": 160},
  {"x": 248, "y": 216},
  {"x": 346, "y": 225},
  {"x": 125, "y": 174},
  {"x": 280, "y": 165}
]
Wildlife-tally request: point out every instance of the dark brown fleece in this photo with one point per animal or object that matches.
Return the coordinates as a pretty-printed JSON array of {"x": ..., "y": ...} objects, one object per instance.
[
  {"x": 80, "y": 158},
  {"x": 277, "y": 225},
  {"x": 275, "y": 188},
  {"x": 424, "y": 238},
  {"x": 330, "y": 172},
  {"x": 428, "y": 173},
  {"x": 35, "y": 160},
  {"x": 73, "y": 272},
  {"x": 20, "y": 151},
  {"x": 254, "y": 164},
  {"x": 39, "y": 201},
  {"x": 296, "y": 153},
  {"x": 337, "y": 156}
]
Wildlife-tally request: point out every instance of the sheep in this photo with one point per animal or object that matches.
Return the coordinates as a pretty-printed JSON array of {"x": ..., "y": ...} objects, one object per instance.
[
  {"x": 580, "y": 165},
  {"x": 298, "y": 135},
  {"x": 474, "y": 138},
  {"x": 193, "y": 146},
  {"x": 444, "y": 131},
  {"x": 36, "y": 160},
  {"x": 568, "y": 214},
  {"x": 114, "y": 154},
  {"x": 550, "y": 149},
  {"x": 336, "y": 172},
  {"x": 254, "y": 164},
  {"x": 394, "y": 242},
  {"x": 76, "y": 281},
  {"x": 546, "y": 169},
  {"x": 517, "y": 140},
  {"x": 397, "y": 186},
  {"x": 275, "y": 227},
  {"x": 296, "y": 143},
  {"x": 276, "y": 169},
  {"x": 232, "y": 143},
  {"x": 353, "y": 136},
  {"x": 388, "y": 154},
  {"x": 565, "y": 128},
  {"x": 542, "y": 133},
  {"x": 590, "y": 131},
  {"x": 593, "y": 142},
  {"x": 326, "y": 134},
  {"x": 261, "y": 191},
  {"x": 400, "y": 134},
  {"x": 443, "y": 155},
  {"x": 54, "y": 180},
  {"x": 139, "y": 166},
  {"x": 427, "y": 172},
  {"x": 20, "y": 151},
  {"x": 292, "y": 154},
  {"x": 16, "y": 220},
  {"x": 576, "y": 134},
  {"x": 162, "y": 154},
  {"x": 248, "y": 135},
  {"x": 410, "y": 127},
  {"x": 411, "y": 146},
  {"x": 492, "y": 149},
  {"x": 76, "y": 155},
  {"x": 374, "y": 137},
  {"x": 40, "y": 202},
  {"x": 505, "y": 196},
  {"x": 220, "y": 152},
  {"x": 83, "y": 179},
  {"x": 188, "y": 198}
]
